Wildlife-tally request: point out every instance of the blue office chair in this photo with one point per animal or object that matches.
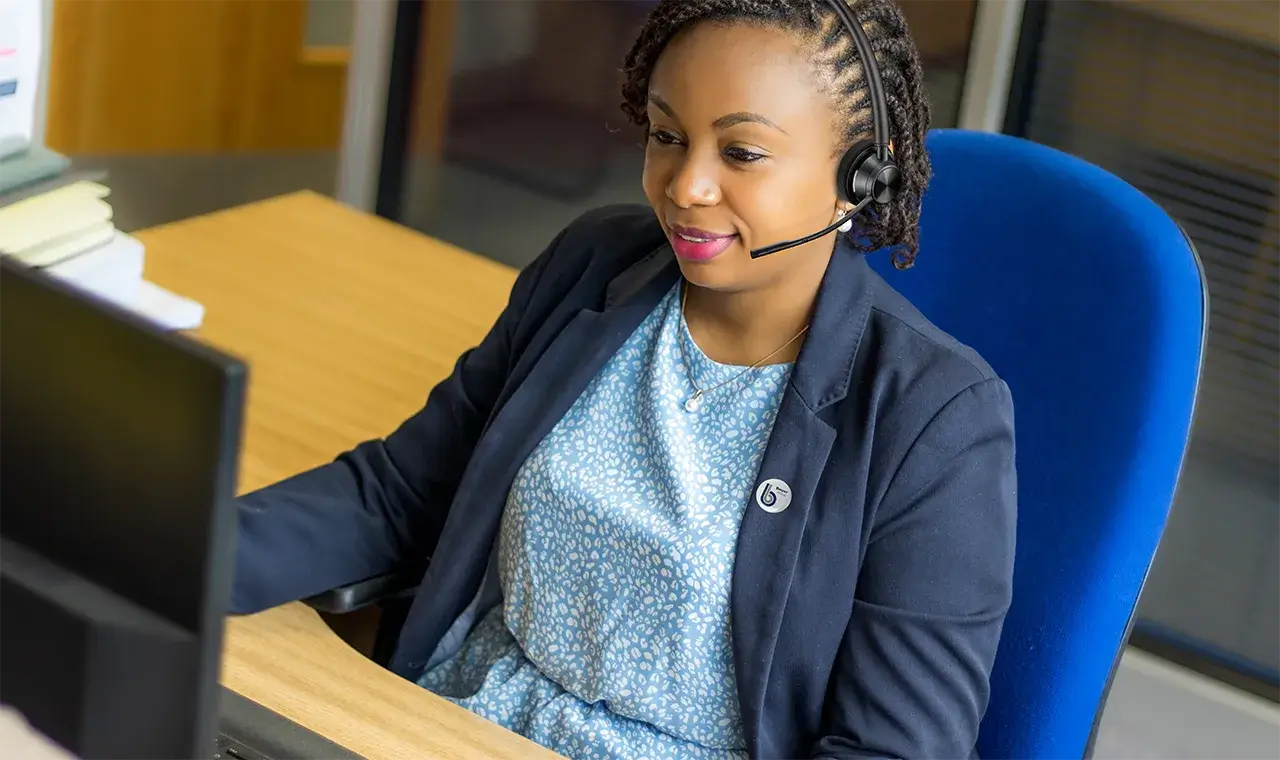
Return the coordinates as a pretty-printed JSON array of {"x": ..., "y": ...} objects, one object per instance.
[{"x": 1090, "y": 302}]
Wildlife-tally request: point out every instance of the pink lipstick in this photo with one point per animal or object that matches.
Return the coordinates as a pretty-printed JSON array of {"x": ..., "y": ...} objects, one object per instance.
[{"x": 693, "y": 244}]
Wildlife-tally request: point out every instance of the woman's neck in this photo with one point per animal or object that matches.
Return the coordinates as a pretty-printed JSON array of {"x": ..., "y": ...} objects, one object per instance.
[{"x": 744, "y": 327}]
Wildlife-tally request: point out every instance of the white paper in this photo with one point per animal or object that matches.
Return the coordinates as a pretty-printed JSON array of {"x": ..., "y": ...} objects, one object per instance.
[
  {"x": 20, "y": 38},
  {"x": 166, "y": 308},
  {"x": 112, "y": 270},
  {"x": 19, "y": 739}
]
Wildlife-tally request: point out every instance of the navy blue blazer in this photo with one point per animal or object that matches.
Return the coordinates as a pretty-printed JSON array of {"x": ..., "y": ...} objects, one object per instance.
[{"x": 865, "y": 616}]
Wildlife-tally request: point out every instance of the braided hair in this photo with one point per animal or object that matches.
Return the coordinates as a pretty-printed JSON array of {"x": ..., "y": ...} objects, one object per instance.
[{"x": 833, "y": 51}]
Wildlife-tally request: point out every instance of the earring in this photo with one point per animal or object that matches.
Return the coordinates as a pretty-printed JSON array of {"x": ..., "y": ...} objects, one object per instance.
[{"x": 848, "y": 224}]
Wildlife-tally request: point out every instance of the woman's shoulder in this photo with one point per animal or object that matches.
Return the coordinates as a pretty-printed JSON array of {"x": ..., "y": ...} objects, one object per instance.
[
  {"x": 589, "y": 252},
  {"x": 919, "y": 342},
  {"x": 610, "y": 238},
  {"x": 917, "y": 369},
  {"x": 614, "y": 218},
  {"x": 576, "y": 268}
]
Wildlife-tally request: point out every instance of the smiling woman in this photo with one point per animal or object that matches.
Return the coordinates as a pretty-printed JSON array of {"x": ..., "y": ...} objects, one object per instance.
[
  {"x": 687, "y": 502},
  {"x": 810, "y": 77},
  {"x": 747, "y": 125}
]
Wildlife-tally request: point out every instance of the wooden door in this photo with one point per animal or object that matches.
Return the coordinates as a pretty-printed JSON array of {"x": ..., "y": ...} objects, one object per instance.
[{"x": 190, "y": 76}]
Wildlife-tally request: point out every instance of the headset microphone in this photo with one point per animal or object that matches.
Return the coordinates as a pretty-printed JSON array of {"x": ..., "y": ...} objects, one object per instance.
[
  {"x": 867, "y": 173},
  {"x": 784, "y": 245}
]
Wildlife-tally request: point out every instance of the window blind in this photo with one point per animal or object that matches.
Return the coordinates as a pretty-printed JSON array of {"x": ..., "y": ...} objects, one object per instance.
[
  {"x": 1186, "y": 108},
  {"x": 1182, "y": 99}
]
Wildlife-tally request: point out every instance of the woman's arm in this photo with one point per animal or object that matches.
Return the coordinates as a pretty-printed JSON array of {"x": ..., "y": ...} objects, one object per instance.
[
  {"x": 911, "y": 677},
  {"x": 381, "y": 505}
]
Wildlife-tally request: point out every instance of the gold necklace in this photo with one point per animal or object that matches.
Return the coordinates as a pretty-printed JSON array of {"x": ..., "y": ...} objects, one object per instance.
[{"x": 694, "y": 402}]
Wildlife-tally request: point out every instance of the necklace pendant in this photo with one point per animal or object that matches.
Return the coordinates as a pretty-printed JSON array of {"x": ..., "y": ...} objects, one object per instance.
[{"x": 694, "y": 403}]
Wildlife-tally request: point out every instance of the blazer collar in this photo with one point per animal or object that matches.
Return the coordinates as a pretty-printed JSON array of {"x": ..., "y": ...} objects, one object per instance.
[{"x": 824, "y": 370}]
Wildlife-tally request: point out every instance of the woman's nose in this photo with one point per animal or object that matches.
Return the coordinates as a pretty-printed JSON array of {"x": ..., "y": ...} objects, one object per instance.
[{"x": 693, "y": 184}]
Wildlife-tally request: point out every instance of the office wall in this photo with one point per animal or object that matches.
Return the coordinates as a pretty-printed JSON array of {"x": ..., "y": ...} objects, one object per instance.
[{"x": 42, "y": 96}]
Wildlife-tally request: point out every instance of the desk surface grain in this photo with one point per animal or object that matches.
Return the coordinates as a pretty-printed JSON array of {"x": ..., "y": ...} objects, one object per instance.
[{"x": 346, "y": 321}]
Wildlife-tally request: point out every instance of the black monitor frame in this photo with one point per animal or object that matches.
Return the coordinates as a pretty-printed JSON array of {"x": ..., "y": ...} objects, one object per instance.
[{"x": 133, "y": 680}]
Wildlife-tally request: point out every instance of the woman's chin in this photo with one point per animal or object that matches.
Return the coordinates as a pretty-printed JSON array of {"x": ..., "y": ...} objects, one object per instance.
[{"x": 722, "y": 273}]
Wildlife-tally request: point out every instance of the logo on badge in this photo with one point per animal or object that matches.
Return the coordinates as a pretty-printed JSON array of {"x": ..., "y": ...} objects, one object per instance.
[{"x": 773, "y": 496}]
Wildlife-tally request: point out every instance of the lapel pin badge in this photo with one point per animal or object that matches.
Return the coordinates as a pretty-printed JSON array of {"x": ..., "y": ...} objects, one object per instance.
[{"x": 773, "y": 496}]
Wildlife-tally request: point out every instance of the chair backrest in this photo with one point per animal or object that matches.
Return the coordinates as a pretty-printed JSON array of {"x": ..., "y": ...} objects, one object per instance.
[{"x": 1090, "y": 302}]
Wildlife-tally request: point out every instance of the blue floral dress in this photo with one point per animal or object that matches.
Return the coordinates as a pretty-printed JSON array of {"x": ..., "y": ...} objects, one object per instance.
[{"x": 615, "y": 556}]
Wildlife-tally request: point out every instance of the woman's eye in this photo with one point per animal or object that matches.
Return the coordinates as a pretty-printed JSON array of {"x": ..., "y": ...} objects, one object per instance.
[
  {"x": 742, "y": 155},
  {"x": 663, "y": 137}
]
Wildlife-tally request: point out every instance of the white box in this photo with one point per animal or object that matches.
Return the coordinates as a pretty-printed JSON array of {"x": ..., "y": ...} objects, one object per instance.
[{"x": 20, "y": 39}]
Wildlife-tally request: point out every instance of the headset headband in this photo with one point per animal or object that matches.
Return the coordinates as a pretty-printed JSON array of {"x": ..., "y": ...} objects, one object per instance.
[{"x": 871, "y": 70}]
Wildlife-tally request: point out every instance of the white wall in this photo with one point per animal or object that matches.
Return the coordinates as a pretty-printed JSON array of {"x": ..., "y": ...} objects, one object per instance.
[
  {"x": 42, "y": 94},
  {"x": 1161, "y": 711}
]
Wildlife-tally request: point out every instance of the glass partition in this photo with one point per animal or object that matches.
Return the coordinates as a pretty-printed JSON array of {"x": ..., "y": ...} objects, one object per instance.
[{"x": 511, "y": 120}]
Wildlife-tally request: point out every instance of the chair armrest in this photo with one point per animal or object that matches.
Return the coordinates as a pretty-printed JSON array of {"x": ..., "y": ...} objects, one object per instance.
[{"x": 353, "y": 596}]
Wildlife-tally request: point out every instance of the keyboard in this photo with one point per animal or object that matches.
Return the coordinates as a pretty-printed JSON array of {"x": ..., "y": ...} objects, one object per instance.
[
  {"x": 249, "y": 731},
  {"x": 226, "y": 748}
]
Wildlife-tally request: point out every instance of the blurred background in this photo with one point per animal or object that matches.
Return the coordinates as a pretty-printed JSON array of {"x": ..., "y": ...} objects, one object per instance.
[{"x": 492, "y": 123}]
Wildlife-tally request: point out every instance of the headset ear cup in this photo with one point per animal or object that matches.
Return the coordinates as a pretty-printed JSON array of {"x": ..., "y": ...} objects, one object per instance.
[
  {"x": 851, "y": 163},
  {"x": 863, "y": 174}
]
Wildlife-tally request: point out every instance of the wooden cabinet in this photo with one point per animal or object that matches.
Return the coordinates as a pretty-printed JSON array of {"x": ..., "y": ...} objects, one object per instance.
[{"x": 190, "y": 76}]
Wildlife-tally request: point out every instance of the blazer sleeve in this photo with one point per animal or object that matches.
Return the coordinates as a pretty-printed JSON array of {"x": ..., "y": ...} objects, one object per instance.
[
  {"x": 912, "y": 674},
  {"x": 379, "y": 507}
]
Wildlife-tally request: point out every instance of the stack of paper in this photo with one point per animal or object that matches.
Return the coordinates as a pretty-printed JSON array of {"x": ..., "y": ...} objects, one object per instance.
[{"x": 63, "y": 225}]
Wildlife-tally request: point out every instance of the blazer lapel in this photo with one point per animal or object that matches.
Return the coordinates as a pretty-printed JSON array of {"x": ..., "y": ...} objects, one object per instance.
[
  {"x": 768, "y": 547},
  {"x": 769, "y": 541}
]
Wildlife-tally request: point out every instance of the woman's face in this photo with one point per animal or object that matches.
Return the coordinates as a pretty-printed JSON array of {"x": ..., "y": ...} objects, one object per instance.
[{"x": 741, "y": 154}]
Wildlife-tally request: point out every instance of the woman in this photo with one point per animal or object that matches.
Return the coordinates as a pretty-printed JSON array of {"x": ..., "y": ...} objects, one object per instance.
[{"x": 684, "y": 503}]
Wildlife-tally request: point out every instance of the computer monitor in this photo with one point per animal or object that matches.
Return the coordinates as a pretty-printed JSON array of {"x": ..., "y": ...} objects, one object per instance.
[{"x": 118, "y": 452}]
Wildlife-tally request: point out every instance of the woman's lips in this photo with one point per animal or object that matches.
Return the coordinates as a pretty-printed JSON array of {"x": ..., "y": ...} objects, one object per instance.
[{"x": 693, "y": 244}]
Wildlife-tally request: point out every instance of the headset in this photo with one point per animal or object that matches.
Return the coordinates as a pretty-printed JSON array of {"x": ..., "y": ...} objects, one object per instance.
[{"x": 867, "y": 173}]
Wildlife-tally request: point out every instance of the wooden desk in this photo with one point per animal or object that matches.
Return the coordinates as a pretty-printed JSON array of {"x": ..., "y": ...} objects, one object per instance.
[{"x": 346, "y": 321}]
